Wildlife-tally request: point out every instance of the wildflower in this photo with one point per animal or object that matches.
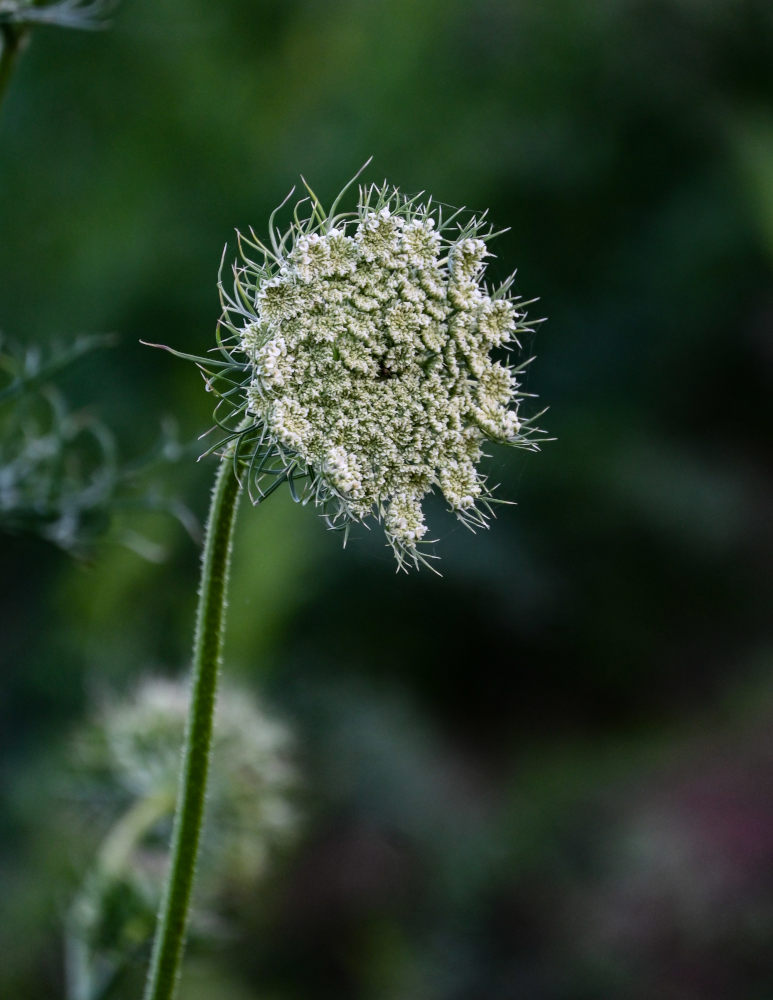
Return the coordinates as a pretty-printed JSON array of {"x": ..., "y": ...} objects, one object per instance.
[
  {"x": 358, "y": 363},
  {"x": 136, "y": 745}
]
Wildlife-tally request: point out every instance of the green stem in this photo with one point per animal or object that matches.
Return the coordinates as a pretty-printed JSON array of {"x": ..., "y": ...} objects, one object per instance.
[
  {"x": 170, "y": 931},
  {"x": 12, "y": 39},
  {"x": 117, "y": 847}
]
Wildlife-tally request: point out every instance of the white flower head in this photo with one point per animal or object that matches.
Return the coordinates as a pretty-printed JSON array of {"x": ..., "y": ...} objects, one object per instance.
[
  {"x": 358, "y": 363},
  {"x": 136, "y": 745},
  {"x": 127, "y": 763}
]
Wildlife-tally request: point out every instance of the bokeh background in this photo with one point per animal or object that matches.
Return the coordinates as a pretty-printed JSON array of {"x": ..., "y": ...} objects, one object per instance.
[{"x": 549, "y": 774}]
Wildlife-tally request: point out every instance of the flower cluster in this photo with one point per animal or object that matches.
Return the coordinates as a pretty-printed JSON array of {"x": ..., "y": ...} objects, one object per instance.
[
  {"x": 367, "y": 359},
  {"x": 136, "y": 745},
  {"x": 127, "y": 768}
]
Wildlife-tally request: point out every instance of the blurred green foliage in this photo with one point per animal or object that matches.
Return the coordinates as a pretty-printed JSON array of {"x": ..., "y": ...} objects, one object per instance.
[
  {"x": 549, "y": 774},
  {"x": 61, "y": 478}
]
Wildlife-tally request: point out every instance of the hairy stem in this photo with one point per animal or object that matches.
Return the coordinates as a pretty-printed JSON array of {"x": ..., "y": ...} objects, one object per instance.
[
  {"x": 170, "y": 931},
  {"x": 12, "y": 39}
]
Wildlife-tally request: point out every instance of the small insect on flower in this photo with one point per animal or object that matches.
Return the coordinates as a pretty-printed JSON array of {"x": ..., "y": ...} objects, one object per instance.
[{"x": 356, "y": 362}]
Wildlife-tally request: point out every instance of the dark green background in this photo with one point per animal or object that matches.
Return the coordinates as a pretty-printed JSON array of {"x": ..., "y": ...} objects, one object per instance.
[{"x": 548, "y": 774}]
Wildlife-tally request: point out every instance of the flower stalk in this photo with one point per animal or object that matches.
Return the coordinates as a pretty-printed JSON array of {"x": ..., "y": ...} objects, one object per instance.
[
  {"x": 169, "y": 941},
  {"x": 12, "y": 40}
]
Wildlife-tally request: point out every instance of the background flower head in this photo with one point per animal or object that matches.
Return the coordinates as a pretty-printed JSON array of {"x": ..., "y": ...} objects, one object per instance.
[{"x": 134, "y": 744}]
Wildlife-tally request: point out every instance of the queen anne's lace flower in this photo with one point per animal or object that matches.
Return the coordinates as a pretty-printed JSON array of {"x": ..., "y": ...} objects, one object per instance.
[
  {"x": 358, "y": 362},
  {"x": 135, "y": 744}
]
